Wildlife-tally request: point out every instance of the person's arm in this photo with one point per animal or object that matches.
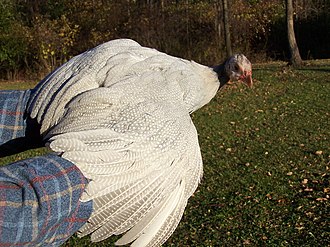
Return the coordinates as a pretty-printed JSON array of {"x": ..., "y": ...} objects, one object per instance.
[
  {"x": 39, "y": 201},
  {"x": 39, "y": 197}
]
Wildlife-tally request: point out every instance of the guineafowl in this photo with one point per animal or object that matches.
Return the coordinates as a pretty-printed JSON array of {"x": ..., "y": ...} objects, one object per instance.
[{"x": 121, "y": 113}]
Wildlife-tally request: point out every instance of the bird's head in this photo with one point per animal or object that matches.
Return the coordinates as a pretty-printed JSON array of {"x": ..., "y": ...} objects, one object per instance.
[
  {"x": 239, "y": 68},
  {"x": 235, "y": 68}
]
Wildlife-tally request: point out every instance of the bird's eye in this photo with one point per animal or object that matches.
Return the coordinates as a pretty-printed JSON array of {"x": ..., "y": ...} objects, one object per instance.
[{"x": 236, "y": 67}]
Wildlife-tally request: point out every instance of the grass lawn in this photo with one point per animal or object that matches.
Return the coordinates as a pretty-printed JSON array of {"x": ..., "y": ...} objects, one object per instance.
[{"x": 266, "y": 156}]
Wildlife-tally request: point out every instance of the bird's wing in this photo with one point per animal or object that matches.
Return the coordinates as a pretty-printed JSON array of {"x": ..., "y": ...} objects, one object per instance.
[
  {"x": 142, "y": 158},
  {"x": 80, "y": 74},
  {"x": 126, "y": 66}
]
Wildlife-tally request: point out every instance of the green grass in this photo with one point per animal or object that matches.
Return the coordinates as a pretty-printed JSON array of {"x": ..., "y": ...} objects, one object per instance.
[{"x": 266, "y": 156}]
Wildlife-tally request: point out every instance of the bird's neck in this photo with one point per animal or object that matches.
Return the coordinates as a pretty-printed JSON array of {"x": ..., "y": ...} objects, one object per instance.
[{"x": 222, "y": 75}]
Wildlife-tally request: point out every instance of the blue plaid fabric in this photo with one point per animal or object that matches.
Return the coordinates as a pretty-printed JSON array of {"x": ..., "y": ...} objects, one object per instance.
[
  {"x": 12, "y": 119},
  {"x": 39, "y": 197}
]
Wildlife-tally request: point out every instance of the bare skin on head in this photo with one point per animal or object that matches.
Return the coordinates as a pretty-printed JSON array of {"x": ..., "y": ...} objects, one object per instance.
[
  {"x": 239, "y": 68},
  {"x": 235, "y": 68}
]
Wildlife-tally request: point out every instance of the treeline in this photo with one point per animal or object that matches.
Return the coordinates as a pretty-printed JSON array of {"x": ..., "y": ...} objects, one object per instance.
[{"x": 37, "y": 36}]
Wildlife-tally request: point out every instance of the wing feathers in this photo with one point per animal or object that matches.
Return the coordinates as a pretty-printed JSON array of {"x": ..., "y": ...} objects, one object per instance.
[
  {"x": 129, "y": 213},
  {"x": 127, "y": 202},
  {"x": 147, "y": 229}
]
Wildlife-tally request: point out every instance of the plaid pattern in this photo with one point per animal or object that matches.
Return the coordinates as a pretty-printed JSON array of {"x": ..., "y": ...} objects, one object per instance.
[
  {"x": 39, "y": 197},
  {"x": 12, "y": 119},
  {"x": 39, "y": 202}
]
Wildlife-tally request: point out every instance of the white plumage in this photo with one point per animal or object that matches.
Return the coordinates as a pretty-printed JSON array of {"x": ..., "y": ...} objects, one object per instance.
[{"x": 120, "y": 112}]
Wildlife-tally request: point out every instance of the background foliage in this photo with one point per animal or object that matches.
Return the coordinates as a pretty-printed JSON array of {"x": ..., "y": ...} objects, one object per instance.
[{"x": 37, "y": 36}]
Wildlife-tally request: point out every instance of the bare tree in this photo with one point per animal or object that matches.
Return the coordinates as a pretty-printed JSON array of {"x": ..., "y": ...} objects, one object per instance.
[
  {"x": 295, "y": 58},
  {"x": 227, "y": 28}
]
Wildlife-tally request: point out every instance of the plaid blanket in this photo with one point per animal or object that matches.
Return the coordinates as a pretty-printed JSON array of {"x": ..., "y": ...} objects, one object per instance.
[{"x": 39, "y": 197}]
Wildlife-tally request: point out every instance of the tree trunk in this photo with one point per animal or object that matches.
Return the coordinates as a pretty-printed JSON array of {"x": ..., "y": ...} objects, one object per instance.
[
  {"x": 227, "y": 28},
  {"x": 295, "y": 58},
  {"x": 218, "y": 26}
]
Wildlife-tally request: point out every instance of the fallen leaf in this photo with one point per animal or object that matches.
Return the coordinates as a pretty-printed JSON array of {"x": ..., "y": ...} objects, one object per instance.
[
  {"x": 319, "y": 152},
  {"x": 309, "y": 214},
  {"x": 247, "y": 242},
  {"x": 289, "y": 173}
]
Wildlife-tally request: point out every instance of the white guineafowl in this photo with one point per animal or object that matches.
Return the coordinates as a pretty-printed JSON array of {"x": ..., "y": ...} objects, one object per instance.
[{"x": 121, "y": 113}]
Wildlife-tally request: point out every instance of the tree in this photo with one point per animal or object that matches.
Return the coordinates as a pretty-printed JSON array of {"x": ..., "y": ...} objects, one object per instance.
[
  {"x": 13, "y": 41},
  {"x": 227, "y": 28},
  {"x": 295, "y": 58}
]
